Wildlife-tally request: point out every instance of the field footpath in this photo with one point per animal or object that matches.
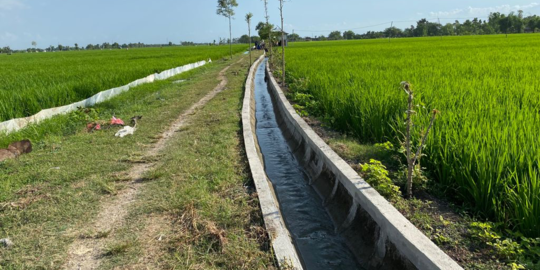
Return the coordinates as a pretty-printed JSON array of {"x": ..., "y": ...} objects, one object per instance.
[
  {"x": 93, "y": 235},
  {"x": 85, "y": 253}
]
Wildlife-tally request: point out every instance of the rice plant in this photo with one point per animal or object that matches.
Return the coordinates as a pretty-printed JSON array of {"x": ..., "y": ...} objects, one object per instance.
[
  {"x": 484, "y": 146},
  {"x": 32, "y": 82}
]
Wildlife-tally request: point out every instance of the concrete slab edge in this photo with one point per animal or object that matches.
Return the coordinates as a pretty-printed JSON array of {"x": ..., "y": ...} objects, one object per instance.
[
  {"x": 282, "y": 244},
  {"x": 410, "y": 242}
]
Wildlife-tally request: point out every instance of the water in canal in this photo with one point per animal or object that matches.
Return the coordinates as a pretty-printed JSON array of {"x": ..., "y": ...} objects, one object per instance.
[{"x": 311, "y": 228}]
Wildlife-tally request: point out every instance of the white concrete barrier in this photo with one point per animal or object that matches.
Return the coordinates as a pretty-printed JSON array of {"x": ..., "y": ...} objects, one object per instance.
[{"x": 20, "y": 123}]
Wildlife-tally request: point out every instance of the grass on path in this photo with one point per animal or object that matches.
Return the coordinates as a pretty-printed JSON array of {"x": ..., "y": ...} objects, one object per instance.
[
  {"x": 200, "y": 210},
  {"x": 46, "y": 196}
]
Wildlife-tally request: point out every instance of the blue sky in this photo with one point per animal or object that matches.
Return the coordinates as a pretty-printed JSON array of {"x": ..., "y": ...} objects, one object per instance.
[{"x": 53, "y": 22}]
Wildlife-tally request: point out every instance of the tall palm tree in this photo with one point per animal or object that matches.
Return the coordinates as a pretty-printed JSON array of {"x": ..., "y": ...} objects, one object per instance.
[
  {"x": 225, "y": 8},
  {"x": 248, "y": 20}
]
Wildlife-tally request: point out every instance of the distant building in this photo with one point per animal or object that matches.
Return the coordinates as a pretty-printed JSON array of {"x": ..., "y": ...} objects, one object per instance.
[
  {"x": 529, "y": 30},
  {"x": 285, "y": 35}
]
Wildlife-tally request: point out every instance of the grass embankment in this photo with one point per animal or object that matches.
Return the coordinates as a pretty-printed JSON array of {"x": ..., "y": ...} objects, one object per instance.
[
  {"x": 452, "y": 227},
  {"x": 447, "y": 225},
  {"x": 197, "y": 202}
]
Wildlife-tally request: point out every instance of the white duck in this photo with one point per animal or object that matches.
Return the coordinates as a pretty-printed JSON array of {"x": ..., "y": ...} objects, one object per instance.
[{"x": 127, "y": 130}]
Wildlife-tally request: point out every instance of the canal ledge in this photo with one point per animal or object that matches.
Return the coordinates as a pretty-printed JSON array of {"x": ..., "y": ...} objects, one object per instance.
[{"x": 280, "y": 238}]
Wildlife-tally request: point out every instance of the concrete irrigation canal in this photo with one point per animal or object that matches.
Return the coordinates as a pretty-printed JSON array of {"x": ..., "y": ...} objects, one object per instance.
[
  {"x": 312, "y": 230},
  {"x": 318, "y": 212}
]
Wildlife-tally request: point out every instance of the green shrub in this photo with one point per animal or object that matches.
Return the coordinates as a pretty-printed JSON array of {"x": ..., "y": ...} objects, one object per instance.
[{"x": 376, "y": 175}]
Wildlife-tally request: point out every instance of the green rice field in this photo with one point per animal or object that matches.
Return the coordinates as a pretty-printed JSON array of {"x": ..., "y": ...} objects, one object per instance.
[
  {"x": 30, "y": 82},
  {"x": 485, "y": 145}
]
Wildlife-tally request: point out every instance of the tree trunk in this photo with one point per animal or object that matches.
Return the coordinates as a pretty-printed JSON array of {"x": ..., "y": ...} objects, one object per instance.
[
  {"x": 410, "y": 164},
  {"x": 282, "y": 45},
  {"x": 249, "y": 33},
  {"x": 270, "y": 33},
  {"x": 230, "y": 36},
  {"x": 270, "y": 42}
]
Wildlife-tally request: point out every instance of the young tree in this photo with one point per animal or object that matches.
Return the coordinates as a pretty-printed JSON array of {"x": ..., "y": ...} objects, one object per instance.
[
  {"x": 225, "y": 8},
  {"x": 293, "y": 37},
  {"x": 268, "y": 24},
  {"x": 412, "y": 157},
  {"x": 391, "y": 32},
  {"x": 282, "y": 44},
  {"x": 248, "y": 20},
  {"x": 447, "y": 29},
  {"x": 348, "y": 34},
  {"x": 264, "y": 30},
  {"x": 335, "y": 35}
]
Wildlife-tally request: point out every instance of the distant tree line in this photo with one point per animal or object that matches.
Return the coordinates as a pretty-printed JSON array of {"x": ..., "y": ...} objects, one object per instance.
[
  {"x": 115, "y": 46},
  {"x": 497, "y": 23},
  {"x": 105, "y": 46},
  {"x": 5, "y": 50}
]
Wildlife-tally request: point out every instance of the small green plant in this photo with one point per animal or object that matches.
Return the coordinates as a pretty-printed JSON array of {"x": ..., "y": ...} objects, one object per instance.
[
  {"x": 441, "y": 239},
  {"x": 508, "y": 249},
  {"x": 302, "y": 98},
  {"x": 419, "y": 178},
  {"x": 515, "y": 266},
  {"x": 85, "y": 115},
  {"x": 515, "y": 249},
  {"x": 305, "y": 103},
  {"x": 531, "y": 246},
  {"x": 443, "y": 221},
  {"x": 384, "y": 146},
  {"x": 376, "y": 175},
  {"x": 485, "y": 231},
  {"x": 301, "y": 110}
]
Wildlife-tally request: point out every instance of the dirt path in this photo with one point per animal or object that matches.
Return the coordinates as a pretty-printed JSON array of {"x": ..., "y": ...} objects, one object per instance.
[{"x": 87, "y": 252}]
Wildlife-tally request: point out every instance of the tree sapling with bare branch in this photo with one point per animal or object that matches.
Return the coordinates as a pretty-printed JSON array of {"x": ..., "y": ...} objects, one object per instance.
[{"x": 412, "y": 159}]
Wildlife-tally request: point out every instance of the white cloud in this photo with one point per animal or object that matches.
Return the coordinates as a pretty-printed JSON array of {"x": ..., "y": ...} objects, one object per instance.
[
  {"x": 504, "y": 9},
  {"x": 446, "y": 13},
  {"x": 11, "y": 4},
  {"x": 482, "y": 11}
]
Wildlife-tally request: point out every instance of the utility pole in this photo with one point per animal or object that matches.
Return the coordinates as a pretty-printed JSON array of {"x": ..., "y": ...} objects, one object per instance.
[
  {"x": 507, "y": 25},
  {"x": 267, "y": 25},
  {"x": 282, "y": 44},
  {"x": 391, "y": 29},
  {"x": 440, "y": 26}
]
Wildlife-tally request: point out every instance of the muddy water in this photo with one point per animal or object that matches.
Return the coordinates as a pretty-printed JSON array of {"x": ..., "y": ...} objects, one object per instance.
[{"x": 310, "y": 226}]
